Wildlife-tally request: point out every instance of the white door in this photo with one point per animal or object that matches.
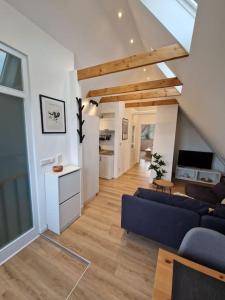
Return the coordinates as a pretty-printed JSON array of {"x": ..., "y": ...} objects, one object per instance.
[{"x": 18, "y": 217}]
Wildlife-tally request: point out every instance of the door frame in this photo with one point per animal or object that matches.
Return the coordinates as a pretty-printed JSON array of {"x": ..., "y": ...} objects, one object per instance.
[{"x": 26, "y": 238}]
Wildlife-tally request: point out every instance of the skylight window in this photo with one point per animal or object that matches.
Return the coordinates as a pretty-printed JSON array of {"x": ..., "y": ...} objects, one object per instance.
[
  {"x": 190, "y": 5},
  {"x": 177, "y": 16},
  {"x": 2, "y": 60}
]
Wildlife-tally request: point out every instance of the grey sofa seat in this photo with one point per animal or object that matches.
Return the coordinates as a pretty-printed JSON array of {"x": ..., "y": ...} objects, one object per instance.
[{"x": 204, "y": 246}]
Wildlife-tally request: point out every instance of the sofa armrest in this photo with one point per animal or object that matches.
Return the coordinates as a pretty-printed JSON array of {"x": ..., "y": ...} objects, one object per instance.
[
  {"x": 160, "y": 222},
  {"x": 214, "y": 223},
  {"x": 151, "y": 194}
]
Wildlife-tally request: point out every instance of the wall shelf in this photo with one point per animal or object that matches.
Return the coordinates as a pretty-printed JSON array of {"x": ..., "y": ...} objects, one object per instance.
[{"x": 198, "y": 175}]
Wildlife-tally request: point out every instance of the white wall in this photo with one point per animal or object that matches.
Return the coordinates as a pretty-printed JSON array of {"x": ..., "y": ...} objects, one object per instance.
[
  {"x": 90, "y": 157},
  {"x": 202, "y": 73},
  {"x": 126, "y": 144},
  {"x": 165, "y": 132},
  {"x": 188, "y": 138},
  {"x": 49, "y": 66}
]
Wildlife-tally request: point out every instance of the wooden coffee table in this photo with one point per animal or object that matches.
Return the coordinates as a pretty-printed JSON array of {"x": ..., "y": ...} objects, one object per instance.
[
  {"x": 163, "y": 185},
  {"x": 164, "y": 273}
]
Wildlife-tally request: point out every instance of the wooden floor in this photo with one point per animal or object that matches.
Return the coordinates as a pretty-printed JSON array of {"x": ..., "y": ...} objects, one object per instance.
[
  {"x": 122, "y": 266},
  {"x": 40, "y": 271}
]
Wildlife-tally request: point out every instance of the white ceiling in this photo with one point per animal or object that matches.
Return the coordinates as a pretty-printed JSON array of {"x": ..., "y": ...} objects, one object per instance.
[{"x": 92, "y": 30}]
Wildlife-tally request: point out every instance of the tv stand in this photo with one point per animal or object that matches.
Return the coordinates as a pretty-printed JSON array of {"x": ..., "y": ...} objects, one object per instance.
[{"x": 198, "y": 175}]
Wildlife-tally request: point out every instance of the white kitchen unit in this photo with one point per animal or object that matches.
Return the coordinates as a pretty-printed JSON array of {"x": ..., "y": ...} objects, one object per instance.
[
  {"x": 63, "y": 198},
  {"x": 107, "y": 124},
  {"x": 106, "y": 166}
]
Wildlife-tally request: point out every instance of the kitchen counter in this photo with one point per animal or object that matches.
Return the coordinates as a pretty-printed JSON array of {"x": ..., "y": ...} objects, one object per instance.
[
  {"x": 106, "y": 164},
  {"x": 106, "y": 152}
]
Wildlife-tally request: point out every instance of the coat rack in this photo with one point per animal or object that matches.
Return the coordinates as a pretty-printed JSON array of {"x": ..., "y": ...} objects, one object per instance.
[{"x": 80, "y": 120}]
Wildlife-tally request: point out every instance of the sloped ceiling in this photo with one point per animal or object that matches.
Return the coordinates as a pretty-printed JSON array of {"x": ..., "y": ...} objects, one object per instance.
[
  {"x": 91, "y": 29},
  {"x": 203, "y": 73},
  {"x": 93, "y": 32}
]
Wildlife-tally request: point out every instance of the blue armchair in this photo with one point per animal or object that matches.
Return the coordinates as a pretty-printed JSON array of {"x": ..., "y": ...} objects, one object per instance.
[{"x": 206, "y": 247}]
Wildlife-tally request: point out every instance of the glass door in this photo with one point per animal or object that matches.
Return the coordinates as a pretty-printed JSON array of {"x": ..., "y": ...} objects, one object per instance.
[{"x": 18, "y": 222}]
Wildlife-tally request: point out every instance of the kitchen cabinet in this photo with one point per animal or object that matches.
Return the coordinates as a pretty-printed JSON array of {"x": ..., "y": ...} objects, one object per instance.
[
  {"x": 106, "y": 166},
  {"x": 107, "y": 124}
]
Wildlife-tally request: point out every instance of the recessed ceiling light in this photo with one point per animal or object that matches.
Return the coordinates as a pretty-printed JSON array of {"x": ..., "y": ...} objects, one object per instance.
[
  {"x": 120, "y": 14},
  {"x": 131, "y": 41},
  {"x": 144, "y": 69}
]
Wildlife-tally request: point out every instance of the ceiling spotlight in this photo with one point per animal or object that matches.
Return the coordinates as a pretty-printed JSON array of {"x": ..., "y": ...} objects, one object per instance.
[
  {"x": 120, "y": 14},
  {"x": 144, "y": 69},
  {"x": 131, "y": 41},
  {"x": 93, "y": 102}
]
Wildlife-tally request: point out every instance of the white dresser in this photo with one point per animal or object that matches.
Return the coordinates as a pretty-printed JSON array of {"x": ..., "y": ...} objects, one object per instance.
[{"x": 63, "y": 198}]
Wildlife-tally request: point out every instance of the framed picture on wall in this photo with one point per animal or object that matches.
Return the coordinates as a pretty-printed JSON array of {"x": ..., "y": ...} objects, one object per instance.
[
  {"x": 124, "y": 129},
  {"x": 53, "y": 115}
]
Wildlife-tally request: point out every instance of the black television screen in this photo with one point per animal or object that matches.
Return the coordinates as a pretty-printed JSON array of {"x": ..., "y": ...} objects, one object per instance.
[{"x": 202, "y": 160}]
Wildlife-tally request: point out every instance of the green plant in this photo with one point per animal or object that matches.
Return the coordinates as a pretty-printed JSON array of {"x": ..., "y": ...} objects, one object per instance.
[{"x": 158, "y": 165}]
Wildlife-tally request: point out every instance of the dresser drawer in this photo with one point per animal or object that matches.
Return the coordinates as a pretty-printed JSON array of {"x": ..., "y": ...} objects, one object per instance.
[
  {"x": 69, "y": 211},
  {"x": 69, "y": 185}
]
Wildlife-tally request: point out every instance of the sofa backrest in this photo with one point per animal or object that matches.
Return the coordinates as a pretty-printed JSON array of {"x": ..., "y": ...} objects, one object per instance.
[
  {"x": 200, "y": 207},
  {"x": 219, "y": 190}
]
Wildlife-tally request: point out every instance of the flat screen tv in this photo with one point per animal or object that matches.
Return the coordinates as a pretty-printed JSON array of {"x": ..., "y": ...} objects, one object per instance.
[{"x": 201, "y": 160}]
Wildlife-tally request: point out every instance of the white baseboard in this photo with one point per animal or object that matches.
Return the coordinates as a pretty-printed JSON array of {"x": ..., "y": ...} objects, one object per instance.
[{"x": 43, "y": 229}]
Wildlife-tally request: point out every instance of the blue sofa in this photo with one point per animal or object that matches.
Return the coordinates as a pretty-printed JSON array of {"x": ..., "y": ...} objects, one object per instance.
[{"x": 167, "y": 218}]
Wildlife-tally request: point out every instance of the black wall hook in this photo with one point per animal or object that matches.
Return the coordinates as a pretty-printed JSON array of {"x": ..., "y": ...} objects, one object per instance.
[{"x": 80, "y": 120}]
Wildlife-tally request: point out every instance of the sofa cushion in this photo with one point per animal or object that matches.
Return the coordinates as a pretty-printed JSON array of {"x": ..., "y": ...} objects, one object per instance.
[
  {"x": 201, "y": 193},
  {"x": 219, "y": 190},
  {"x": 219, "y": 211},
  {"x": 200, "y": 207}
]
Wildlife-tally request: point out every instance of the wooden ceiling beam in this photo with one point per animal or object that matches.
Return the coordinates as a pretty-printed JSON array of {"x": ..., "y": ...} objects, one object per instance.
[
  {"x": 151, "y": 103},
  {"x": 164, "y": 92},
  {"x": 135, "y": 87},
  {"x": 167, "y": 53}
]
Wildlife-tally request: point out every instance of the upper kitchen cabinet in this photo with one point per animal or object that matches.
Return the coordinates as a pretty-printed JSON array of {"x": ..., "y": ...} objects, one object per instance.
[
  {"x": 107, "y": 124},
  {"x": 107, "y": 121}
]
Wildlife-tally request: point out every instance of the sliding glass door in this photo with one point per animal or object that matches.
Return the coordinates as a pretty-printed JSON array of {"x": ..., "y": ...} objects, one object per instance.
[{"x": 18, "y": 223}]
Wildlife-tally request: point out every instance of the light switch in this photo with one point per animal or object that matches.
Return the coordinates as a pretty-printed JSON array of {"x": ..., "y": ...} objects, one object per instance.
[
  {"x": 47, "y": 161},
  {"x": 59, "y": 158}
]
